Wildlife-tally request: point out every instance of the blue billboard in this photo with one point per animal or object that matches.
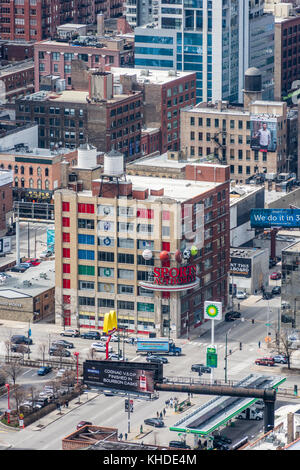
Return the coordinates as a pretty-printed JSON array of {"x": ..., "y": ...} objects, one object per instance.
[{"x": 264, "y": 218}]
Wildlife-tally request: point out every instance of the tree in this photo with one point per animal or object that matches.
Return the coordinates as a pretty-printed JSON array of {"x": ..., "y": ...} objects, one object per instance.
[
  {"x": 286, "y": 346},
  {"x": 13, "y": 369},
  {"x": 42, "y": 348}
]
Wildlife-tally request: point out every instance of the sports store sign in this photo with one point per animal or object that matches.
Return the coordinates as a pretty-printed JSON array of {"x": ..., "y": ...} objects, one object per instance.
[{"x": 171, "y": 279}]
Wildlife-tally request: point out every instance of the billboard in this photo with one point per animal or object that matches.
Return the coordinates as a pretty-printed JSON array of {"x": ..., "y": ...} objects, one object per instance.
[
  {"x": 265, "y": 218},
  {"x": 171, "y": 279},
  {"x": 240, "y": 267},
  {"x": 134, "y": 377},
  {"x": 157, "y": 345},
  {"x": 263, "y": 132}
]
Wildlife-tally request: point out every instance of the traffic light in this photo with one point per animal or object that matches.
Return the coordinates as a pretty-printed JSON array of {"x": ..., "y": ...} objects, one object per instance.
[
  {"x": 252, "y": 321},
  {"x": 241, "y": 346},
  {"x": 295, "y": 390}
]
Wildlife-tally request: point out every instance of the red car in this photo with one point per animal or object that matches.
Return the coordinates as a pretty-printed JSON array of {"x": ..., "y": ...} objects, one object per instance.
[
  {"x": 265, "y": 361},
  {"x": 275, "y": 276},
  {"x": 33, "y": 262}
]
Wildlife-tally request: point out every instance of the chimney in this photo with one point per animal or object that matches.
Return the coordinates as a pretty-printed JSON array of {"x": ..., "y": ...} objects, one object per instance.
[{"x": 100, "y": 25}]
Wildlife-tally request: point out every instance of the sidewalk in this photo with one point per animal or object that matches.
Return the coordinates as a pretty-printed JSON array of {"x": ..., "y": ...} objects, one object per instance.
[{"x": 56, "y": 414}]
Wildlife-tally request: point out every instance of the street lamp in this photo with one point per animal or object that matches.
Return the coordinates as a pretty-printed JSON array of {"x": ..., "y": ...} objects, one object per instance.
[
  {"x": 8, "y": 404},
  {"x": 76, "y": 354}
]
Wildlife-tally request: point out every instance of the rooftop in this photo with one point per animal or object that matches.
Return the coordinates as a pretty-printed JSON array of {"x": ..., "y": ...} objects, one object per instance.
[
  {"x": 159, "y": 77},
  {"x": 31, "y": 283},
  {"x": 165, "y": 162},
  {"x": 70, "y": 96},
  {"x": 25, "y": 151},
  {"x": 21, "y": 66},
  {"x": 245, "y": 252}
]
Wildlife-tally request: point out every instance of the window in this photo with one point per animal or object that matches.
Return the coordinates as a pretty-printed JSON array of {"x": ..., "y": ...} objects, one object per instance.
[
  {"x": 143, "y": 244},
  {"x": 106, "y": 287},
  {"x": 126, "y": 274},
  {"x": 66, "y": 268},
  {"x": 87, "y": 301},
  {"x": 66, "y": 207},
  {"x": 86, "y": 270},
  {"x": 66, "y": 222},
  {"x": 106, "y": 256},
  {"x": 124, "y": 289},
  {"x": 125, "y": 305},
  {"x": 86, "y": 285},
  {"x": 66, "y": 237},
  {"x": 86, "y": 208},
  {"x": 86, "y": 223},
  {"x": 107, "y": 303},
  {"x": 86, "y": 254},
  {"x": 86, "y": 239},
  {"x": 66, "y": 253},
  {"x": 125, "y": 258},
  {"x": 145, "y": 262},
  {"x": 66, "y": 284}
]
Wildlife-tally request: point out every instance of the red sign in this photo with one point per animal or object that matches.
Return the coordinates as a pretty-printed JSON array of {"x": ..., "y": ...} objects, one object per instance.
[{"x": 174, "y": 276}]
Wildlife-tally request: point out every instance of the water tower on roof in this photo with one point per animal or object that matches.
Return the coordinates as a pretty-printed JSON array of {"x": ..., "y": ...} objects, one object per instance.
[
  {"x": 113, "y": 171},
  {"x": 253, "y": 86}
]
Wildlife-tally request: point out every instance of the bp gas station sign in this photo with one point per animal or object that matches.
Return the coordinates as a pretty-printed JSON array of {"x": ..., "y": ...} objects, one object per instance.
[{"x": 213, "y": 310}]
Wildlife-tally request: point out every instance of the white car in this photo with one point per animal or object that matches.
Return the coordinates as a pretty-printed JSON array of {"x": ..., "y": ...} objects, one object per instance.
[
  {"x": 46, "y": 254},
  {"x": 60, "y": 373},
  {"x": 100, "y": 347},
  {"x": 241, "y": 295}
]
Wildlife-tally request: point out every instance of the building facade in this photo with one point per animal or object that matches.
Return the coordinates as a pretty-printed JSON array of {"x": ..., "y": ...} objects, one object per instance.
[
  {"x": 6, "y": 198},
  {"x": 18, "y": 80},
  {"x": 101, "y": 238},
  {"x": 290, "y": 299}
]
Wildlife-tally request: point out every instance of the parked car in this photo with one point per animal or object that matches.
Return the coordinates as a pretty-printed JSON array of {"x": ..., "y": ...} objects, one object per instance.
[
  {"x": 60, "y": 373},
  {"x": 33, "y": 262},
  {"x": 157, "y": 359},
  {"x": 18, "y": 269},
  {"x": 241, "y": 295},
  {"x": 46, "y": 254},
  {"x": 63, "y": 343},
  {"x": 70, "y": 332},
  {"x": 179, "y": 445},
  {"x": 156, "y": 422},
  {"x": 223, "y": 439},
  {"x": 100, "y": 347},
  {"x": 265, "y": 361},
  {"x": 44, "y": 370},
  {"x": 280, "y": 359},
  {"x": 42, "y": 401},
  {"x": 59, "y": 351},
  {"x": 116, "y": 357},
  {"x": 91, "y": 335},
  {"x": 220, "y": 445},
  {"x": 83, "y": 423},
  {"x": 20, "y": 339},
  {"x": 20, "y": 348},
  {"x": 200, "y": 368},
  {"x": 286, "y": 319},
  {"x": 276, "y": 275},
  {"x": 25, "y": 265},
  {"x": 276, "y": 290},
  {"x": 229, "y": 317},
  {"x": 285, "y": 305}
]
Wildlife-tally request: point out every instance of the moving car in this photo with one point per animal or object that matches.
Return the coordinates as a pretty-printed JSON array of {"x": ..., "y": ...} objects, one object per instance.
[
  {"x": 157, "y": 359},
  {"x": 265, "y": 361},
  {"x": 33, "y": 262},
  {"x": 229, "y": 317},
  {"x": 232, "y": 314},
  {"x": 46, "y": 254},
  {"x": 276, "y": 275},
  {"x": 91, "y": 335},
  {"x": 280, "y": 359},
  {"x": 267, "y": 295},
  {"x": 276, "y": 290},
  {"x": 60, "y": 373},
  {"x": 179, "y": 445},
  {"x": 63, "y": 343},
  {"x": 101, "y": 347},
  {"x": 59, "y": 351},
  {"x": 156, "y": 422},
  {"x": 44, "y": 370},
  {"x": 20, "y": 339},
  {"x": 241, "y": 295},
  {"x": 286, "y": 319},
  {"x": 83, "y": 423},
  {"x": 201, "y": 368},
  {"x": 115, "y": 357},
  {"x": 70, "y": 332}
]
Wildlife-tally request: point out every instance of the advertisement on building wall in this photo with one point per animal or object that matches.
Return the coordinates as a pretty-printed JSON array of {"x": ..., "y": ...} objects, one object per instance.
[
  {"x": 240, "y": 267},
  {"x": 130, "y": 377},
  {"x": 263, "y": 132},
  {"x": 266, "y": 218},
  {"x": 171, "y": 279}
]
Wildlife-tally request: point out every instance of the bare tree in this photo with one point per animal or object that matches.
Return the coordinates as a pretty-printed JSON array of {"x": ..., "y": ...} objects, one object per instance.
[
  {"x": 286, "y": 346},
  {"x": 18, "y": 394},
  {"x": 42, "y": 349},
  {"x": 13, "y": 369}
]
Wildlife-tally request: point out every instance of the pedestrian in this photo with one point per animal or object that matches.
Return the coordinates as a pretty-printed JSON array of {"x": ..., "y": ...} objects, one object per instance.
[
  {"x": 167, "y": 402},
  {"x": 141, "y": 429},
  {"x": 121, "y": 436},
  {"x": 67, "y": 404},
  {"x": 157, "y": 414},
  {"x": 125, "y": 436},
  {"x": 160, "y": 415},
  {"x": 259, "y": 344},
  {"x": 164, "y": 412}
]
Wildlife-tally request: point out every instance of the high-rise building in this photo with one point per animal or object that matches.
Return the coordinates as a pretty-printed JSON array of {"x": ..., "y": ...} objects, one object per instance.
[
  {"x": 140, "y": 12},
  {"x": 209, "y": 37}
]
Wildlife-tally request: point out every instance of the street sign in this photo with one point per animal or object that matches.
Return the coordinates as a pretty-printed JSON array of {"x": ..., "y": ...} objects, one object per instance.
[{"x": 211, "y": 357}]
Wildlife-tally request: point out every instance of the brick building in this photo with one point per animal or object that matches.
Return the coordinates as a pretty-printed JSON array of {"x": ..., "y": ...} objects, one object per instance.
[
  {"x": 226, "y": 133},
  {"x": 53, "y": 58},
  {"x": 165, "y": 94},
  {"x": 14, "y": 51},
  {"x": 18, "y": 80},
  {"x": 100, "y": 239},
  {"x": 98, "y": 116},
  {"x": 6, "y": 200},
  {"x": 37, "y": 19}
]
